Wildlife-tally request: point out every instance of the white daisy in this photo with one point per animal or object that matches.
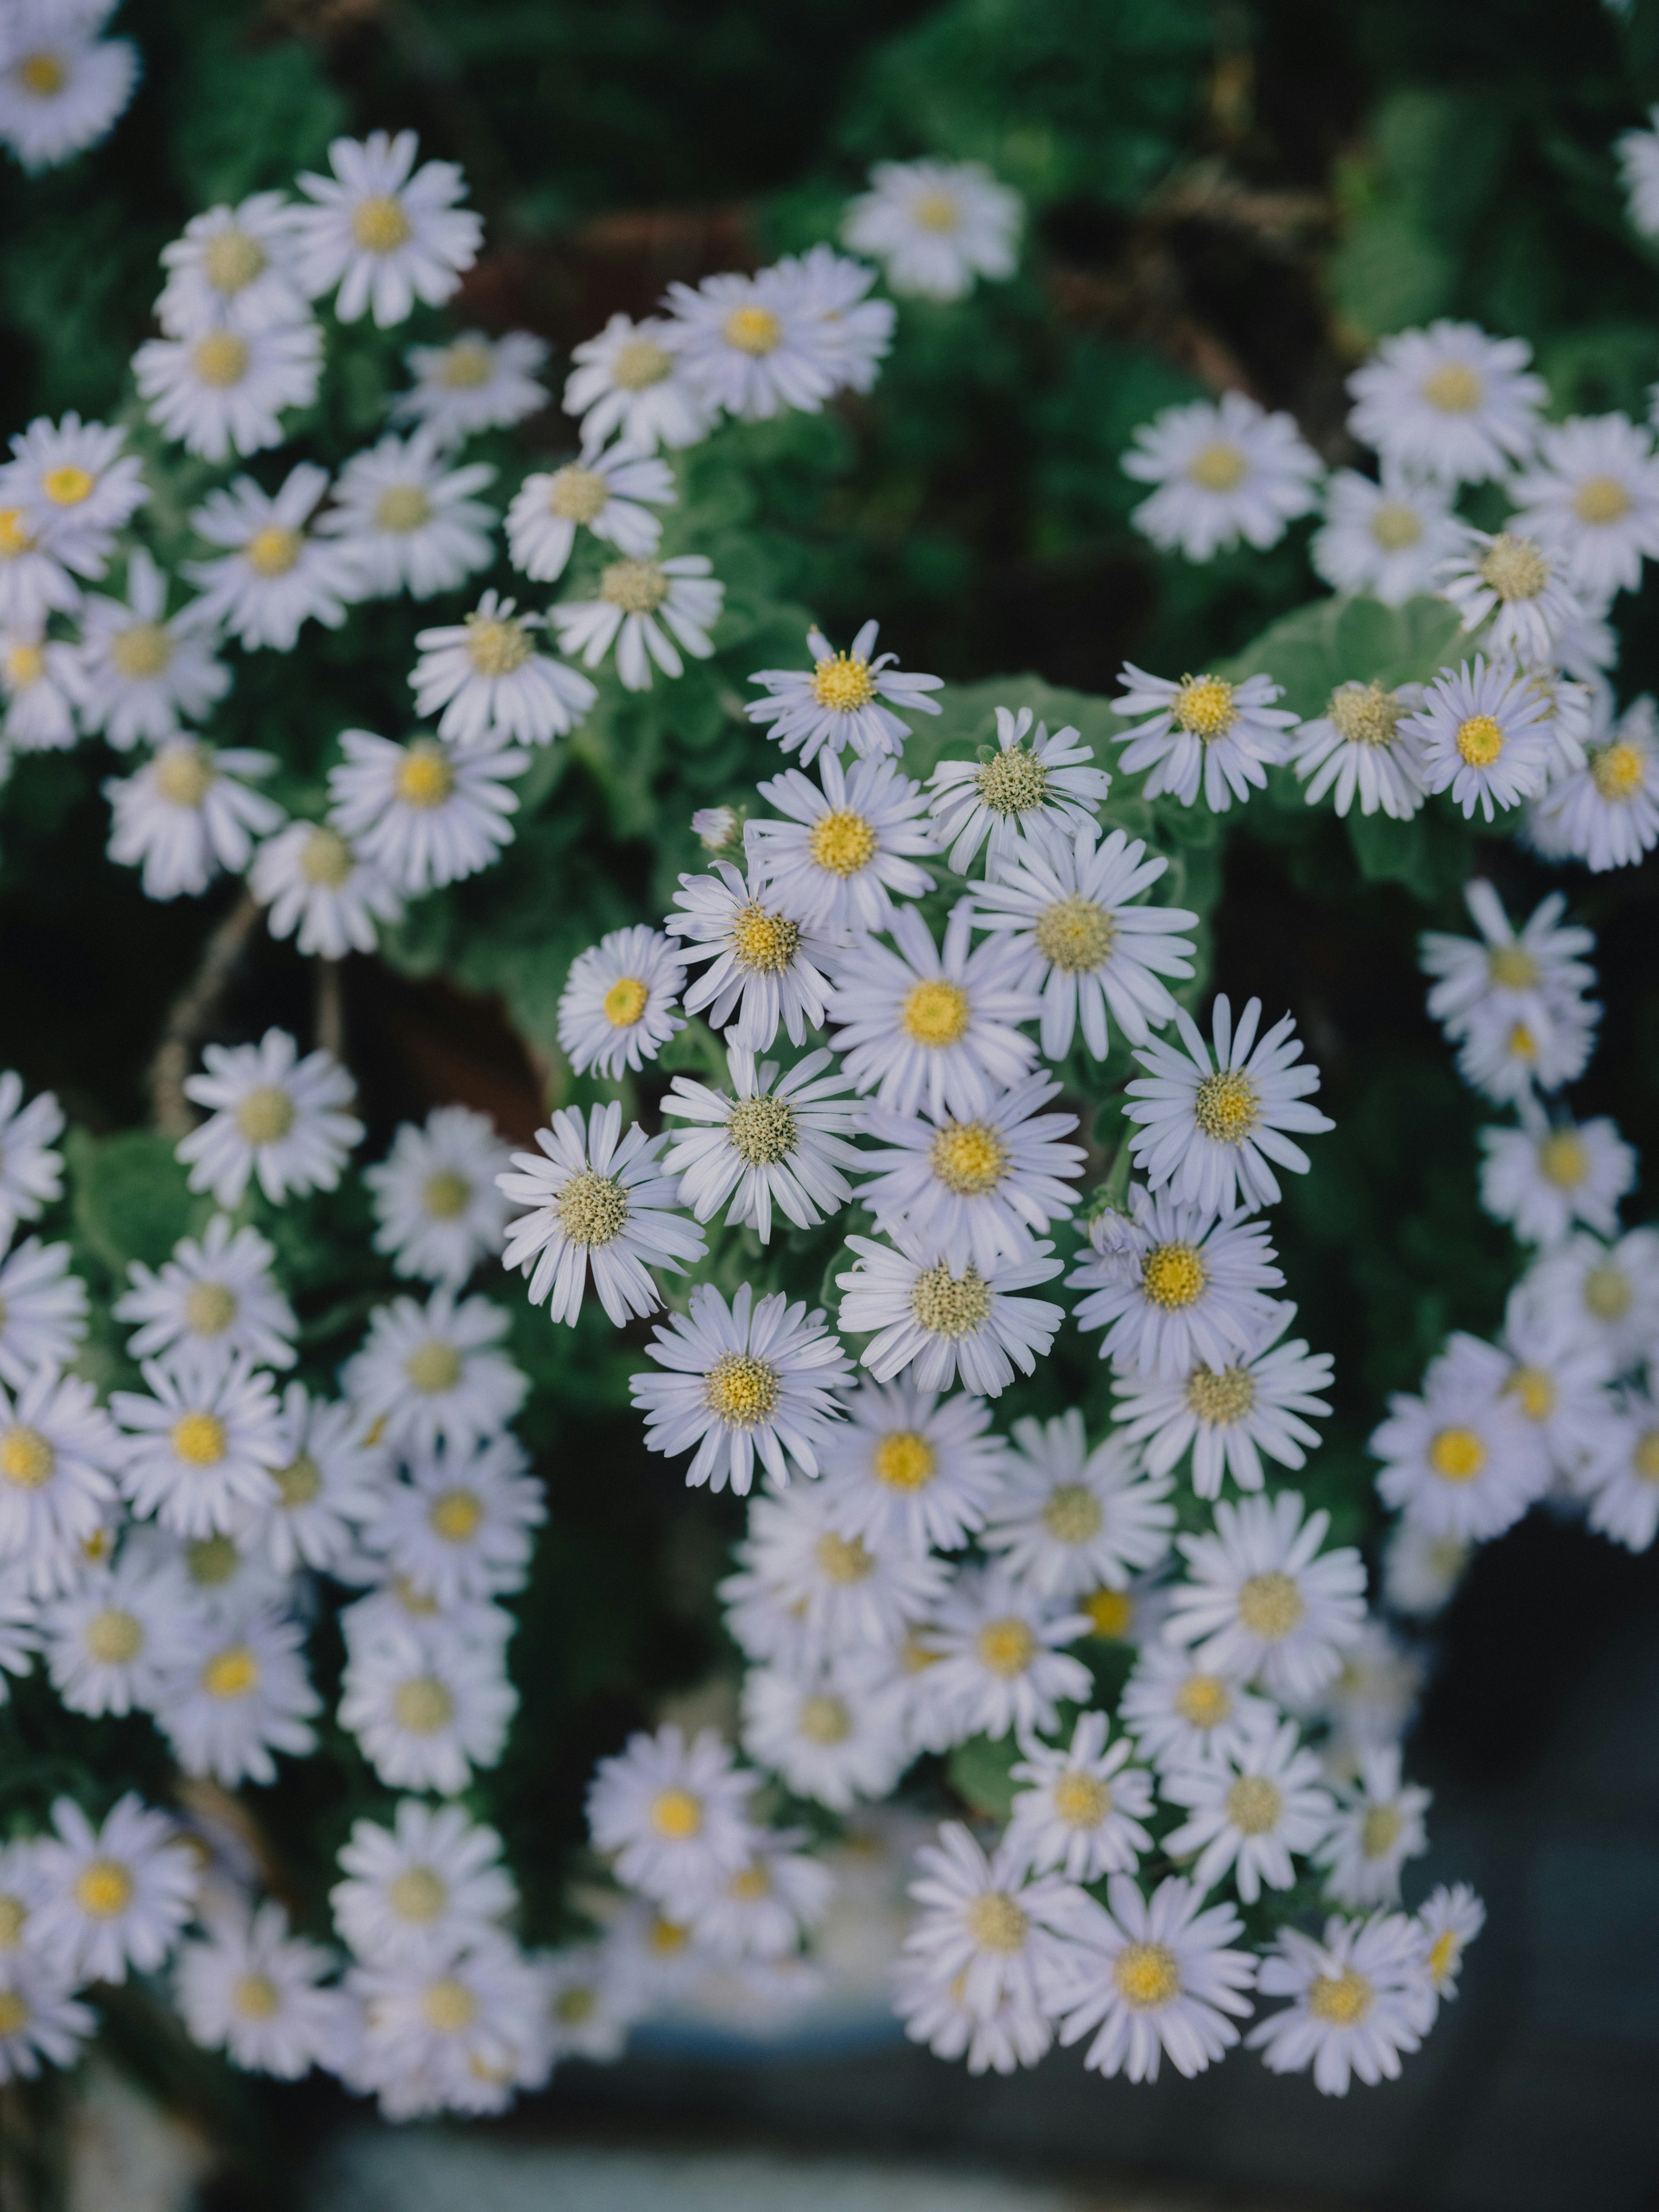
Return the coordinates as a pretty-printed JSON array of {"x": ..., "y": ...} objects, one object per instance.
[
  {"x": 1639, "y": 159},
  {"x": 754, "y": 345},
  {"x": 61, "y": 88},
  {"x": 1503, "y": 1058},
  {"x": 1249, "y": 1810},
  {"x": 1420, "y": 1571},
  {"x": 1230, "y": 1416},
  {"x": 203, "y": 1442},
  {"x": 1007, "y": 795},
  {"x": 73, "y": 487},
  {"x": 1378, "y": 1826},
  {"x": 907, "y": 1469},
  {"x": 1224, "y": 472},
  {"x": 1515, "y": 976},
  {"x": 459, "y": 1527},
  {"x": 1592, "y": 497},
  {"x": 631, "y": 382},
  {"x": 43, "y": 1307},
  {"x": 753, "y": 1380},
  {"x": 1081, "y": 1811},
  {"x": 1621, "y": 1478},
  {"x": 408, "y": 521},
  {"x": 1451, "y": 1919},
  {"x": 40, "y": 2017},
  {"x": 60, "y": 1455},
  {"x": 1203, "y": 730},
  {"x": 1478, "y": 734},
  {"x": 1181, "y": 1714},
  {"x": 773, "y": 1140},
  {"x": 1262, "y": 1600},
  {"x": 989, "y": 1927},
  {"x": 275, "y": 573},
  {"x": 845, "y": 699},
  {"x": 1607, "y": 814},
  {"x": 384, "y": 236},
  {"x": 768, "y": 962},
  {"x": 272, "y": 1116},
  {"x": 1153, "y": 1976},
  {"x": 1358, "y": 748},
  {"x": 233, "y": 267},
  {"x": 609, "y": 493},
  {"x": 1385, "y": 538},
  {"x": 1547, "y": 1177},
  {"x": 649, "y": 609},
  {"x": 1174, "y": 1286},
  {"x": 186, "y": 814},
  {"x": 425, "y": 814},
  {"x": 936, "y": 227},
  {"x": 763, "y": 1911},
  {"x": 435, "y": 1197},
  {"x": 591, "y": 2005},
  {"x": 1448, "y": 400},
  {"x": 1575, "y": 712},
  {"x": 598, "y": 1200},
  {"x": 829, "y": 1737},
  {"x": 327, "y": 1485},
  {"x": 492, "y": 683},
  {"x": 822, "y": 1593},
  {"x": 716, "y": 829},
  {"x": 860, "y": 330},
  {"x": 845, "y": 851},
  {"x": 113, "y": 1896},
  {"x": 253, "y": 1989},
  {"x": 30, "y": 1173},
  {"x": 41, "y": 684},
  {"x": 143, "y": 674},
  {"x": 1372, "y": 1701},
  {"x": 1014, "y": 2033},
  {"x": 1607, "y": 1294},
  {"x": 922, "y": 1022},
  {"x": 427, "y": 1705},
  {"x": 473, "y": 383},
  {"x": 238, "y": 1692},
  {"x": 218, "y": 1295},
  {"x": 419, "y": 1892},
  {"x": 1513, "y": 583},
  {"x": 317, "y": 889},
  {"x": 673, "y": 1811},
  {"x": 461, "y": 2036},
  {"x": 222, "y": 391},
  {"x": 1000, "y": 1663},
  {"x": 616, "y": 1009},
  {"x": 1067, "y": 1520},
  {"x": 111, "y": 1642},
  {"x": 33, "y": 583},
  {"x": 923, "y": 1313},
  {"x": 395, "y": 1608},
  {"x": 1362, "y": 1997},
  {"x": 432, "y": 1375}
]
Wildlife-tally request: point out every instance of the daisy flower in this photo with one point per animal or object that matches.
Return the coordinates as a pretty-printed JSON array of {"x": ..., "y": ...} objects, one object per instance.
[
  {"x": 1203, "y": 730},
  {"x": 1607, "y": 813},
  {"x": 1153, "y": 1976},
  {"x": 1378, "y": 1826},
  {"x": 1014, "y": 2033},
  {"x": 1451, "y": 1919},
  {"x": 923, "y": 1313},
  {"x": 1000, "y": 1663},
  {"x": 1513, "y": 976},
  {"x": 274, "y": 573},
  {"x": 1448, "y": 400},
  {"x": 317, "y": 890},
  {"x": 754, "y": 345},
  {"x": 648, "y": 610},
  {"x": 994, "y": 1931},
  {"x": 829, "y": 1738},
  {"x": 219, "y": 1295},
  {"x": 1503, "y": 1058},
  {"x": 1208, "y": 1130},
  {"x": 1591, "y": 497},
  {"x": 1249, "y": 1811},
  {"x": 202, "y": 1442},
  {"x": 1362, "y": 1997},
  {"x": 1606, "y": 1294},
  {"x": 221, "y": 391},
  {"x": 461, "y": 2036},
  {"x": 42, "y": 684},
  {"x": 73, "y": 486},
  {"x": 423, "y": 813},
  {"x": 143, "y": 674},
  {"x": 844, "y": 699},
  {"x": 31, "y": 1172},
  {"x": 1547, "y": 1178},
  {"x": 58, "y": 1456},
  {"x": 824, "y": 1593},
  {"x": 590, "y": 2005},
  {"x": 61, "y": 89},
  {"x": 419, "y": 1892},
  {"x": 767, "y": 961},
  {"x": 1007, "y": 795},
  {"x": 408, "y": 521},
  {"x": 1181, "y": 1715},
  {"x": 1261, "y": 1600},
  {"x": 238, "y": 1692},
  {"x": 426, "y": 1705},
  {"x": 753, "y": 1380},
  {"x": 611, "y": 493},
  {"x": 1515, "y": 583},
  {"x": 1230, "y": 1416},
  {"x": 773, "y": 1141},
  {"x": 1384, "y": 539},
  {"x": 1621, "y": 1478},
  {"x": 849, "y": 846},
  {"x": 253, "y": 1990},
  {"x": 186, "y": 814},
  {"x": 459, "y": 1527},
  {"x": 1358, "y": 748},
  {"x": 1067, "y": 1520},
  {"x": 473, "y": 383},
  {"x": 40, "y": 2016},
  {"x": 33, "y": 583},
  {"x": 327, "y": 1485},
  {"x": 936, "y": 227},
  {"x": 1638, "y": 160},
  {"x": 1420, "y": 1571},
  {"x": 384, "y": 237},
  {"x": 273, "y": 1116},
  {"x": 492, "y": 683},
  {"x": 1478, "y": 737},
  {"x": 860, "y": 330},
  {"x": 1372, "y": 1701},
  {"x": 111, "y": 1642},
  {"x": 435, "y": 1197},
  {"x": 113, "y": 1896},
  {"x": 43, "y": 1307},
  {"x": 598, "y": 1200},
  {"x": 763, "y": 1908},
  {"x": 921, "y": 1023},
  {"x": 233, "y": 268},
  {"x": 630, "y": 382},
  {"x": 616, "y": 1009},
  {"x": 431, "y": 1373},
  {"x": 1176, "y": 1287},
  {"x": 1080, "y": 1812},
  {"x": 908, "y": 1470},
  {"x": 673, "y": 1811},
  {"x": 1224, "y": 472}
]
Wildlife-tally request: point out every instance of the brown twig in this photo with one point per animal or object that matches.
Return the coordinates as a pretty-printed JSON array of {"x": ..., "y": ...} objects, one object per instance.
[
  {"x": 189, "y": 1014},
  {"x": 328, "y": 1008}
]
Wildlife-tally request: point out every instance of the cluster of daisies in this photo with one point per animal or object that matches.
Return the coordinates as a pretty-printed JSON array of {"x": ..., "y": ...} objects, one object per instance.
[
  {"x": 63, "y": 86},
  {"x": 1561, "y": 1406},
  {"x": 1530, "y": 718}
]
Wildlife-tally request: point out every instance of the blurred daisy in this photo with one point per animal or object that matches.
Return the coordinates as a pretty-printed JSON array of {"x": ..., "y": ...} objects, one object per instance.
[
  {"x": 611, "y": 493},
  {"x": 425, "y": 814},
  {"x": 217, "y": 1295},
  {"x": 1224, "y": 472},
  {"x": 1448, "y": 400},
  {"x": 431, "y": 1374},
  {"x": 40, "y": 2016},
  {"x": 1358, "y": 748},
  {"x": 61, "y": 89},
  {"x": 753, "y": 345},
  {"x": 202, "y": 1442},
  {"x": 1451, "y": 1919},
  {"x": 987, "y": 1929},
  {"x": 592, "y": 2002},
  {"x": 254, "y": 1990},
  {"x": 144, "y": 674},
  {"x": 186, "y": 814},
  {"x": 1181, "y": 1715},
  {"x": 233, "y": 268},
  {"x": 1177, "y": 1287},
  {"x": 616, "y": 1009},
  {"x": 1638, "y": 160},
  {"x": 113, "y": 1896},
  {"x": 33, "y": 583},
  {"x": 924, "y": 1315},
  {"x": 59, "y": 1454},
  {"x": 1230, "y": 1416},
  {"x": 1000, "y": 1663},
  {"x": 1547, "y": 1178},
  {"x": 1378, "y": 1826},
  {"x": 1068, "y": 1519},
  {"x": 1512, "y": 583},
  {"x": 408, "y": 521},
  {"x": 238, "y": 1692},
  {"x": 822, "y": 1595},
  {"x": 936, "y": 227},
  {"x": 1478, "y": 737},
  {"x": 827, "y": 1737},
  {"x": 1249, "y": 1811},
  {"x": 1385, "y": 538},
  {"x": 1080, "y": 1812},
  {"x": 649, "y": 609},
  {"x": 326, "y": 1485},
  {"x": 419, "y": 1892},
  {"x": 458, "y": 1527},
  {"x": 435, "y": 1195},
  {"x": 1153, "y": 1976},
  {"x": 317, "y": 890},
  {"x": 274, "y": 573},
  {"x": 1007, "y": 795},
  {"x": 1203, "y": 729},
  {"x": 845, "y": 850},
  {"x": 384, "y": 237},
  {"x": 673, "y": 1811},
  {"x": 41, "y": 685},
  {"x": 1261, "y": 1600},
  {"x": 767, "y": 961},
  {"x": 860, "y": 330},
  {"x": 110, "y": 1643},
  {"x": 460, "y": 2036},
  {"x": 426, "y": 1705},
  {"x": 773, "y": 1141},
  {"x": 1607, "y": 814},
  {"x": 1621, "y": 1476},
  {"x": 43, "y": 1307},
  {"x": 474, "y": 383},
  {"x": 631, "y": 382},
  {"x": 1361, "y": 1998},
  {"x": 1421, "y": 1572},
  {"x": 1013, "y": 2034},
  {"x": 72, "y": 486},
  {"x": 31, "y": 1172},
  {"x": 492, "y": 683},
  {"x": 763, "y": 1908},
  {"x": 273, "y": 1116},
  {"x": 1517, "y": 975},
  {"x": 224, "y": 391},
  {"x": 1607, "y": 1294},
  {"x": 906, "y": 1469},
  {"x": 845, "y": 699},
  {"x": 1591, "y": 497}
]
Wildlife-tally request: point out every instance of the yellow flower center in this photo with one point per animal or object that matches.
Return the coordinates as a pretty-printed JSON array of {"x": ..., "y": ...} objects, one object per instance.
[
  {"x": 761, "y": 1131},
  {"x": 1365, "y": 714},
  {"x": 1072, "y": 1514},
  {"x": 593, "y": 1208},
  {"x": 1443, "y": 1954},
  {"x": 842, "y": 683},
  {"x": 751, "y": 1883},
  {"x": 142, "y": 651},
  {"x": 764, "y": 943},
  {"x": 422, "y": 1705},
  {"x": 905, "y": 1460},
  {"x": 449, "y": 2005},
  {"x": 1270, "y": 1606},
  {"x": 1512, "y": 967},
  {"x": 425, "y": 775},
  {"x": 1204, "y": 706},
  {"x": 265, "y": 1114},
  {"x": 1254, "y": 1805},
  {"x": 1379, "y": 1832},
  {"x": 638, "y": 364},
  {"x": 1534, "y": 1391},
  {"x": 184, "y": 775},
  {"x": 273, "y": 551},
  {"x": 1220, "y": 1399},
  {"x": 969, "y": 1157},
  {"x": 677, "y": 1815},
  {"x": 1601, "y": 499},
  {"x": 113, "y": 1637},
  {"x": 434, "y": 1366},
  {"x": 210, "y": 1308},
  {"x": 824, "y": 1720},
  {"x": 67, "y": 487},
  {"x": 199, "y": 1439},
  {"x": 325, "y": 859},
  {"x": 1563, "y": 1160},
  {"x": 42, "y": 75},
  {"x": 300, "y": 1482},
  {"x": 1227, "y": 1106},
  {"x": 14, "y": 537},
  {"x": 24, "y": 665},
  {"x": 638, "y": 587},
  {"x": 466, "y": 365},
  {"x": 742, "y": 1391},
  {"x": 219, "y": 359},
  {"x": 1617, "y": 770},
  {"x": 1481, "y": 740},
  {"x": 936, "y": 1012},
  {"x": 1607, "y": 1293},
  {"x": 496, "y": 648},
  {"x": 454, "y": 1515},
  {"x": 256, "y": 1996},
  {"x": 102, "y": 1888},
  {"x": 625, "y": 1001},
  {"x": 231, "y": 1673},
  {"x": 577, "y": 494},
  {"x": 1394, "y": 525},
  {"x": 27, "y": 1459},
  {"x": 445, "y": 1195},
  {"x": 1111, "y": 1612},
  {"x": 1454, "y": 388},
  {"x": 378, "y": 224},
  {"x": 1514, "y": 568},
  {"x": 935, "y": 211},
  {"x": 231, "y": 261},
  {"x": 211, "y": 1561},
  {"x": 843, "y": 842},
  {"x": 1204, "y": 1701},
  {"x": 1082, "y": 1801},
  {"x": 1075, "y": 934},
  {"x": 1147, "y": 1975},
  {"x": 995, "y": 1922},
  {"x": 1174, "y": 1275},
  {"x": 1217, "y": 467},
  {"x": 1012, "y": 781},
  {"x": 1342, "y": 2000},
  {"x": 949, "y": 1305},
  {"x": 14, "y": 2012},
  {"x": 13, "y": 1914},
  {"x": 1006, "y": 1648},
  {"x": 417, "y": 1894},
  {"x": 842, "y": 1560},
  {"x": 402, "y": 508},
  {"x": 1645, "y": 1458},
  {"x": 753, "y": 330}
]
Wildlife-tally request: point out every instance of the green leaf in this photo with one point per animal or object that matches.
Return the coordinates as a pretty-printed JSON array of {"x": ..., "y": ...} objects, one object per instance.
[
  {"x": 979, "y": 1774},
  {"x": 131, "y": 1199}
]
